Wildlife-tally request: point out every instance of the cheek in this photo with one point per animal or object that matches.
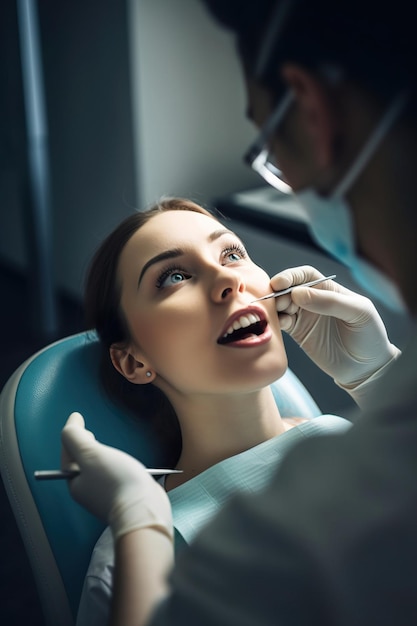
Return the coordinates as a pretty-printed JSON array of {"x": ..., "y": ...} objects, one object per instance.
[
  {"x": 259, "y": 280},
  {"x": 163, "y": 335}
]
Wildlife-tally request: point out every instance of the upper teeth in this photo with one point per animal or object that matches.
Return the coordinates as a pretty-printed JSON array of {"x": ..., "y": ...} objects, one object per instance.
[{"x": 242, "y": 322}]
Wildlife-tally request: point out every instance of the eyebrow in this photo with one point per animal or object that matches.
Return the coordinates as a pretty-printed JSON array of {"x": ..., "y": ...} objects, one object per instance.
[
  {"x": 168, "y": 254},
  {"x": 218, "y": 233},
  {"x": 176, "y": 252}
]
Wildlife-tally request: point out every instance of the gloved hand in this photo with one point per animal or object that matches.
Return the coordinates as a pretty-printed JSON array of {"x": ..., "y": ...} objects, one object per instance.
[
  {"x": 113, "y": 485},
  {"x": 340, "y": 330}
]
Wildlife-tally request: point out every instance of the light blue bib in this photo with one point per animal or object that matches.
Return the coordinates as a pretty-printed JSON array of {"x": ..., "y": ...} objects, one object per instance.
[{"x": 195, "y": 502}]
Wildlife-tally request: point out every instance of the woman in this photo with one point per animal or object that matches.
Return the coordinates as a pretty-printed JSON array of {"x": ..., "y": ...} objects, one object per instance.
[{"x": 171, "y": 294}]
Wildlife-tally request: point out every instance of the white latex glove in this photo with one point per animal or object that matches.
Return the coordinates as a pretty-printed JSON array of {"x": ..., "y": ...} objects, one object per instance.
[
  {"x": 113, "y": 485},
  {"x": 340, "y": 330}
]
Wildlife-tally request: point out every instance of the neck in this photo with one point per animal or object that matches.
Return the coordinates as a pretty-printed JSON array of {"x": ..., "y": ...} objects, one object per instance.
[{"x": 214, "y": 428}]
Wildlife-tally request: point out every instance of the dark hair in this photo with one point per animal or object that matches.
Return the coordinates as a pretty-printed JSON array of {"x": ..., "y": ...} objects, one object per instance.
[
  {"x": 103, "y": 314},
  {"x": 372, "y": 41}
]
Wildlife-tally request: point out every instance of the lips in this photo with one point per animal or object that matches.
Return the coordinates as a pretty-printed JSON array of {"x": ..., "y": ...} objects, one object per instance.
[{"x": 243, "y": 327}]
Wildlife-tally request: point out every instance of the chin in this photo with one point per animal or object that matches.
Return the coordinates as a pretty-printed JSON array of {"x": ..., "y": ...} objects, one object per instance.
[
  {"x": 265, "y": 376},
  {"x": 278, "y": 367}
]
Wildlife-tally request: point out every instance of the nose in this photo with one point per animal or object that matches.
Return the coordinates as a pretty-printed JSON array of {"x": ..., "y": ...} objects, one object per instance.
[{"x": 226, "y": 283}]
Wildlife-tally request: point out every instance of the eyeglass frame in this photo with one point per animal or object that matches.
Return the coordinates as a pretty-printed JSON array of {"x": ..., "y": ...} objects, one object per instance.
[{"x": 257, "y": 155}]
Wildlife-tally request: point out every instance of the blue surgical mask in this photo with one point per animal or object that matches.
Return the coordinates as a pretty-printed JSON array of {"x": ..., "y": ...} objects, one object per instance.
[{"x": 331, "y": 225}]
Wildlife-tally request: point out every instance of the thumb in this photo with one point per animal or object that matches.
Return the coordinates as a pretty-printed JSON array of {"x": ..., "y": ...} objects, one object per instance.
[
  {"x": 75, "y": 419},
  {"x": 347, "y": 307},
  {"x": 76, "y": 440}
]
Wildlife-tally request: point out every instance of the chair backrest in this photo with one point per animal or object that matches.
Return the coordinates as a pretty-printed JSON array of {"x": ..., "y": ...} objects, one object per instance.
[{"x": 59, "y": 535}]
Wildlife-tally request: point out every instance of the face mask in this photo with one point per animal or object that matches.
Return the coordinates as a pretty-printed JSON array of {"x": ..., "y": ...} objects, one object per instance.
[{"x": 331, "y": 225}]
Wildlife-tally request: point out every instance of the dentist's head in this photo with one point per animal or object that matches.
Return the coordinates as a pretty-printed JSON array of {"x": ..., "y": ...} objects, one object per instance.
[{"x": 332, "y": 87}]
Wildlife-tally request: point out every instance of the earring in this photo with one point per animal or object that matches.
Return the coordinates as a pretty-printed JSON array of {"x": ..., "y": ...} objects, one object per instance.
[{"x": 148, "y": 374}]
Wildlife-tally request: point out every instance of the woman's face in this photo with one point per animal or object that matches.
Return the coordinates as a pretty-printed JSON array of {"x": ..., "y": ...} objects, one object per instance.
[{"x": 186, "y": 284}]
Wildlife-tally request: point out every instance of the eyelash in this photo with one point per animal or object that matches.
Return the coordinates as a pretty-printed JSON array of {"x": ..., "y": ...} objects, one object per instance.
[
  {"x": 166, "y": 272},
  {"x": 180, "y": 270},
  {"x": 235, "y": 247}
]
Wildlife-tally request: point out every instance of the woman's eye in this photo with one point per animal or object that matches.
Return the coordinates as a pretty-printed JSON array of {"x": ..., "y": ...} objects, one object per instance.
[
  {"x": 171, "y": 277},
  {"x": 176, "y": 278},
  {"x": 234, "y": 253}
]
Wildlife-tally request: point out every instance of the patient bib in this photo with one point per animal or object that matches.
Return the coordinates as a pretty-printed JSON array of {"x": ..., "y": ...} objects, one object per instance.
[{"x": 195, "y": 502}]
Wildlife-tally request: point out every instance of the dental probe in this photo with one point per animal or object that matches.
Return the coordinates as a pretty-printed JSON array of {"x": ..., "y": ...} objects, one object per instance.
[
  {"x": 67, "y": 474},
  {"x": 289, "y": 289}
]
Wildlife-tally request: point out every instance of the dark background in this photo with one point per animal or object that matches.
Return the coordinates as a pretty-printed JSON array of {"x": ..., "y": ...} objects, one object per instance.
[
  {"x": 84, "y": 54},
  {"x": 19, "y": 604}
]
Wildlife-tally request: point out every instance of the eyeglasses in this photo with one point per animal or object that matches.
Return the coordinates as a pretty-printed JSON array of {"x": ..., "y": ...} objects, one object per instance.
[{"x": 259, "y": 157}]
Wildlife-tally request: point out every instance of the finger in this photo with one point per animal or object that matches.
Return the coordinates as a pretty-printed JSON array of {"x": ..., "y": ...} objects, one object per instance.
[
  {"x": 347, "y": 307},
  {"x": 287, "y": 322},
  {"x": 285, "y": 304},
  {"x": 294, "y": 276},
  {"x": 75, "y": 419},
  {"x": 67, "y": 460},
  {"x": 76, "y": 440}
]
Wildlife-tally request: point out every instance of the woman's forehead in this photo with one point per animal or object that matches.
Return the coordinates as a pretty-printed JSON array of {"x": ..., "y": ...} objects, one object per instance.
[
  {"x": 175, "y": 226},
  {"x": 165, "y": 231},
  {"x": 178, "y": 219}
]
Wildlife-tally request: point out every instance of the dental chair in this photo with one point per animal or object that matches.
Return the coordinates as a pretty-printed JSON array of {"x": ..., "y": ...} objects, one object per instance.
[{"x": 58, "y": 534}]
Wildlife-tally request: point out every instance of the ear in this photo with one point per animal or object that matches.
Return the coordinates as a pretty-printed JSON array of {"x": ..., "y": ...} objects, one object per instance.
[
  {"x": 127, "y": 364},
  {"x": 316, "y": 107}
]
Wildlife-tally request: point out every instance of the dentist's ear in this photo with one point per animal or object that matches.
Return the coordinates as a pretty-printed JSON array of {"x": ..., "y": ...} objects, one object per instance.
[
  {"x": 316, "y": 108},
  {"x": 128, "y": 366}
]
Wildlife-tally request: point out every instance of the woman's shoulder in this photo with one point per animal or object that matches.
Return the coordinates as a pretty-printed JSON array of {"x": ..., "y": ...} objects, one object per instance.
[{"x": 324, "y": 424}]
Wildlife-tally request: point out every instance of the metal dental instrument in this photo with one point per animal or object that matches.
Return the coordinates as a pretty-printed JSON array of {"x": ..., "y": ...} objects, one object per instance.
[
  {"x": 284, "y": 291},
  {"x": 67, "y": 474}
]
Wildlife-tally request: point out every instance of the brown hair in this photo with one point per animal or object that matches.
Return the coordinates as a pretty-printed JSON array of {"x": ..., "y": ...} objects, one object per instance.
[{"x": 103, "y": 314}]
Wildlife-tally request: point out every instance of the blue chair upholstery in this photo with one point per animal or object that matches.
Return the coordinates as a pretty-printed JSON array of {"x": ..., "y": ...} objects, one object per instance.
[{"x": 58, "y": 534}]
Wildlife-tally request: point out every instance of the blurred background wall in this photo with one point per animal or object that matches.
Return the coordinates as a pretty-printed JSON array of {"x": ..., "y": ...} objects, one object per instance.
[{"x": 143, "y": 98}]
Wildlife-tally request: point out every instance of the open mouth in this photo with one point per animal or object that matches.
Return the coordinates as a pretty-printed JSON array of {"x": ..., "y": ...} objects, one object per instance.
[{"x": 242, "y": 328}]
